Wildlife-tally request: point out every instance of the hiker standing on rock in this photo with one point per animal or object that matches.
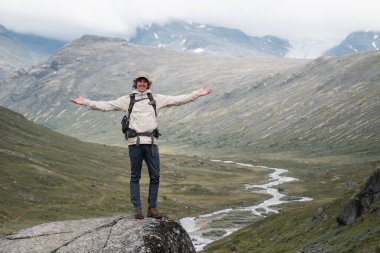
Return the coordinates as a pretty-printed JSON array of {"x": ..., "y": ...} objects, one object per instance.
[{"x": 141, "y": 109}]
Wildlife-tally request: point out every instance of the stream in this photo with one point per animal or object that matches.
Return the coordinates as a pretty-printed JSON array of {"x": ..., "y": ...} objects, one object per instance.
[{"x": 206, "y": 228}]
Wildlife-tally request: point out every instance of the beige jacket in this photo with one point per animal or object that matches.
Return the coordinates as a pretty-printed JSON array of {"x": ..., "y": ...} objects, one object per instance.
[{"x": 142, "y": 118}]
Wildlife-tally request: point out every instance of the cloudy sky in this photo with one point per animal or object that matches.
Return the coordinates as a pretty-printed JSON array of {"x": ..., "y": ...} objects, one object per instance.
[{"x": 296, "y": 20}]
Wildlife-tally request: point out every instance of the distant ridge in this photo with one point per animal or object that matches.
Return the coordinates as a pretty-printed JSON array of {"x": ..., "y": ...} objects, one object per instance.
[
  {"x": 357, "y": 42},
  {"x": 22, "y": 50},
  {"x": 202, "y": 38}
]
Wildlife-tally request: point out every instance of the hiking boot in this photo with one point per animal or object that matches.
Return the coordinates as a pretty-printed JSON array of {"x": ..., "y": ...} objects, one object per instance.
[
  {"x": 138, "y": 214},
  {"x": 154, "y": 213}
]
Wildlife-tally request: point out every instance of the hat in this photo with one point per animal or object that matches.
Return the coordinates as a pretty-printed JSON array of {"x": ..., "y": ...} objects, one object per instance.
[{"x": 142, "y": 74}]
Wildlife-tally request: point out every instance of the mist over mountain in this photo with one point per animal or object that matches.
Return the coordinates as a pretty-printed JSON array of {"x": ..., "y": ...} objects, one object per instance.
[
  {"x": 258, "y": 103},
  {"x": 308, "y": 49},
  {"x": 21, "y": 50},
  {"x": 357, "y": 42},
  {"x": 202, "y": 38}
]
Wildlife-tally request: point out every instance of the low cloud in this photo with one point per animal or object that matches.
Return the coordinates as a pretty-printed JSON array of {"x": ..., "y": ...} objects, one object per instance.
[{"x": 291, "y": 19}]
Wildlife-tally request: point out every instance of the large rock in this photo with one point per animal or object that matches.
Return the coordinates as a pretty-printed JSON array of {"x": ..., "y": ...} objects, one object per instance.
[
  {"x": 109, "y": 234},
  {"x": 362, "y": 201}
]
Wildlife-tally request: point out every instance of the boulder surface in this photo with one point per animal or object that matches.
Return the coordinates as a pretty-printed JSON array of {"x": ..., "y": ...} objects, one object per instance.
[{"x": 108, "y": 234}]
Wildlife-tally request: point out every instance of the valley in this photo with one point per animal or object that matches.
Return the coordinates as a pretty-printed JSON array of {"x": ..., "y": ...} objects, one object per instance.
[
  {"x": 318, "y": 119},
  {"x": 52, "y": 187},
  {"x": 46, "y": 176}
]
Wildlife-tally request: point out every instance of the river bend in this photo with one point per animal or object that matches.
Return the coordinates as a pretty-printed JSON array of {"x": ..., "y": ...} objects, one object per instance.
[{"x": 206, "y": 228}]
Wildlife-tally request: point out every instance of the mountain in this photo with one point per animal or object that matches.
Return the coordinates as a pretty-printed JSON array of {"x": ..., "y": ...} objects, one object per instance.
[
  {"x": 103, "y": 68},
  {"x": 21, "y": 50},
  {"x": 328, "y": 106},
  {"x": 201, "y": 38},
  {"x": 12, "y": 53},
  {"x": 40, "y": 48},
  {"x": 357, "y": 42},
  {"x": 263, "y": 105}
]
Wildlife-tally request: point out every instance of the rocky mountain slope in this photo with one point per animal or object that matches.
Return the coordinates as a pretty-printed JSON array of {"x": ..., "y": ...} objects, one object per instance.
[
  {"x": 357, "y": 42},
  {"x": 201, "y": 38},
  {"x": 21, "y": 50},
  {"x": 103, "y": 68},
  {"x": 330, "y": 105},
  {"x": 12, "y": 53},
  {"x": 258, "y": 104}
]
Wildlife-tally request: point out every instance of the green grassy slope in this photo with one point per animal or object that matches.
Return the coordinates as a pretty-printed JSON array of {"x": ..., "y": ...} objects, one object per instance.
[
  {"x": 305, "y": 229},
  {"x": 46, "y": 176},
  {"x": 311, "y": 226}
]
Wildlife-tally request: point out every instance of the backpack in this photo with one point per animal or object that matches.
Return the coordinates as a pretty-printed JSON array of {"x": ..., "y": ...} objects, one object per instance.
[{"x": 125, "y": 121}]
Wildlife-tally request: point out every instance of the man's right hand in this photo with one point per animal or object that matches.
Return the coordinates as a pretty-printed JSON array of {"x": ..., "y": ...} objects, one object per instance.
[
  {"x": 78, "y": 100},
  {"x": 204, "y": 91}
]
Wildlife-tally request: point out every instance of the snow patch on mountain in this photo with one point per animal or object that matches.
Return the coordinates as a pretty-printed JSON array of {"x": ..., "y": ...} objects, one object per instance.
[
  {"x": 374, "y": 45},
  {"x": 354, "y": 49},
  {"x": 198, "y": 50},
  {"x": 195, "y": 37}
]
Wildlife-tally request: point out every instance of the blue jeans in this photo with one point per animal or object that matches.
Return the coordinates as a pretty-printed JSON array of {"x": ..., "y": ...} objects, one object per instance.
[{"x": 137, "y": 155}]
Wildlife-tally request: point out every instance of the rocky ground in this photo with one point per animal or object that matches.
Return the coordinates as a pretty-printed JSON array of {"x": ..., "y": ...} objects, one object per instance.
[{"x": 108, "y": 234}]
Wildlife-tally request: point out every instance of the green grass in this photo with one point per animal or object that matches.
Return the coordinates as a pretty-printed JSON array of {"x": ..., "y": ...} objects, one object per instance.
[
  {"x": 46, "y": 176},
  {"x": 312, "y": 225},
  {"x": 295, "y": 229}
]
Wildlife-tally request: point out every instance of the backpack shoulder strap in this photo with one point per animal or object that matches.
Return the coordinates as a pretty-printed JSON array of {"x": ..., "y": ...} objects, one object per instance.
[
  {"x": 152, "y": 102},
  {"x": 131, "y": 103}
]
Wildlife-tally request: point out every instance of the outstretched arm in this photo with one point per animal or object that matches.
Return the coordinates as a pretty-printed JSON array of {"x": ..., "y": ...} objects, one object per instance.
[
  {"x": 118, "y": 104},
  {"x": 166, "y": 101}
]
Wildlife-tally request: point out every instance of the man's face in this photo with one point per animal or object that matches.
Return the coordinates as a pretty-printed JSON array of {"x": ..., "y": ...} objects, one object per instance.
[{"x": 141, "y": 84}]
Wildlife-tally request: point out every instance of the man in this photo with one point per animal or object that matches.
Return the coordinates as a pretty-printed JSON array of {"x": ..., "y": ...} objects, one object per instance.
[{"x": 142, "y": 136}]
